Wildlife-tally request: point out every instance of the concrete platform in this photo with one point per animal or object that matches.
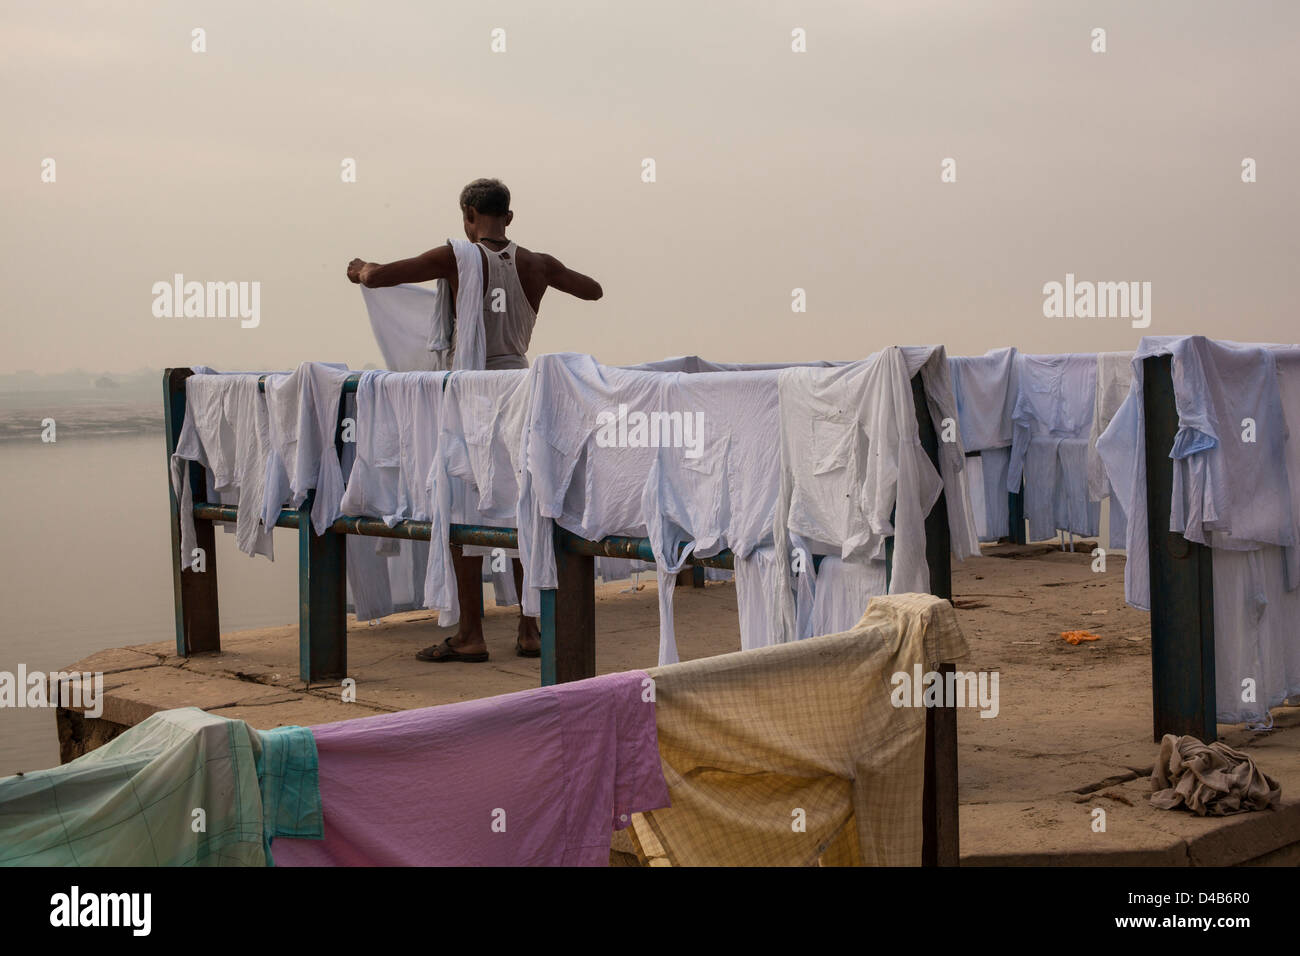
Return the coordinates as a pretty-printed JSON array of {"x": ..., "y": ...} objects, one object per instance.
[{"x": 1073, "y": 732}]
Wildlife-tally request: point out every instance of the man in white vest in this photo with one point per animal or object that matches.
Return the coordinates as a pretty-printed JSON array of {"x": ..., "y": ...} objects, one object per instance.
[{"x": 519, "y": 278}]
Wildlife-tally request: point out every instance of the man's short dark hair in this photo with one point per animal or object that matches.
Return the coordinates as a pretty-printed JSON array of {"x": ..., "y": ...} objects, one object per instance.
[{"x": 487, "y": 196}]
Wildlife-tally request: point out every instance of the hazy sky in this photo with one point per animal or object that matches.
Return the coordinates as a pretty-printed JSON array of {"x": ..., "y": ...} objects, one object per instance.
[{"x": 775, "y": 170}]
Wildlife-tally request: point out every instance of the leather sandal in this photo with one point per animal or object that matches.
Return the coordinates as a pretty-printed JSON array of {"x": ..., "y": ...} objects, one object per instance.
[{"x": 444, "y": 653}]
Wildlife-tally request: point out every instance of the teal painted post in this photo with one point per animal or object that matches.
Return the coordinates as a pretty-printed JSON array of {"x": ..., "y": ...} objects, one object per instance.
[
  {"x": 194, "y": 593},
  {"x": 1182, "y": 582},
  {"x": 322, "y": 601},
  {"x": 323, "y": 585}
]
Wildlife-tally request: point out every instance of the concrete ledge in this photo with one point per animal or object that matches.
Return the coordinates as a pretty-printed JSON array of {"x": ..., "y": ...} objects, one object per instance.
[
  {"x": 254, "y": 677},
  {"x": 1136, "y": 836}
]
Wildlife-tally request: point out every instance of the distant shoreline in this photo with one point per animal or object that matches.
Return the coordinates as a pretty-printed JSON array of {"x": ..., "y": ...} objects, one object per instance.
[{"x": 23, "y": 420}]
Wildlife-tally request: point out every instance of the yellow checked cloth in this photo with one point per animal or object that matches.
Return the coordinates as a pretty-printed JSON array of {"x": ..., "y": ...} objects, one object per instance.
[{"x": 794, "y": 755}]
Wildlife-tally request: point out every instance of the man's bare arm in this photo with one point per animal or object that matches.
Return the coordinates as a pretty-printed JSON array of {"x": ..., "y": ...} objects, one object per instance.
[
  {"x": 574, "y": 283},
  {"x": 437, "y": 263}
]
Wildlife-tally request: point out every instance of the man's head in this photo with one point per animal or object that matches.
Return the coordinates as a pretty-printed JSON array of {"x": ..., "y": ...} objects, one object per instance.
[{"x": 485, "y": 204}]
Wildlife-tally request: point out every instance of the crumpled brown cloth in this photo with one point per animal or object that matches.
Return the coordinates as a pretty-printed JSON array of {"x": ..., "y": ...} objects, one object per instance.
[{"x": 1209, "y": 779}]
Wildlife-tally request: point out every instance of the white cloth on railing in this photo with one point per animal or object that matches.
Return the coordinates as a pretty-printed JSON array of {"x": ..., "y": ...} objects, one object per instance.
[
  {"x": 398, "y": 421},
  {"x": 759, "y": 580},
  {"x": 567, "y": 390},
  {"x": 1114, "y": 379},
  {"x": 1231, "y": 488},
  {"x": 1257, "y": 592},
  {"x": 395, "y": 413},
  {"x": 1237, "y": 489},
  {"x": 1122, "y": 450},
  {"x": 416, "y": 401},
  {"x": 992, "y": 501},
  {"x": 595, "y": 466},
  {"x": 845, "y": 452},
  {"x": 1228, "y": 493},
  {"x": 1055, "y": 397},
  {"x": 851, "y": 456},
  {"x": 472, "y": 479},
  {"x": 376, "y": 469},
  {"x": 931, "y": 363},
  {"x": 1042, "y": 473},
  {"x": 756, "y": 572},
  {"x": 303, "y": 412},
  {"x": 843, "y": 591},
  {"x": 1255, "y": 616},
  {"x": 1057, "y": 471},
  {"x": 370, "y": 586},
  {"x": 985, "y": 390},
  {"x": 1076, "y": 510},
  {"x": 716, "y": 489},
  {"x": 225, "y": 430},
  {"x": 1055, "y": 400},
  {"x": 482, "y": 416}
]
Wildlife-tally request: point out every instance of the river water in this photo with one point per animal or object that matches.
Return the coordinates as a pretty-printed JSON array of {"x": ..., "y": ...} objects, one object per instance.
[{"x": 85, "y": 553}]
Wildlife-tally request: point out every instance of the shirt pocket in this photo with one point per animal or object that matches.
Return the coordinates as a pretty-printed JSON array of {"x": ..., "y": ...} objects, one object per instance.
[
  {"x": 478, "y": 415},
  {"x": 711, "y": 459},
  {"x": 385, "y": 444},
  {"x": 832, "y": 444},
  {"x": 566, "y": 425}
]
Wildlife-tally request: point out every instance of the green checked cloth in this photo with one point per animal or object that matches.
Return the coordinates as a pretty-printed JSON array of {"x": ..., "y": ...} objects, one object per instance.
[
  {"x": 290, "y": 785},
  {"x": 181, "y": 788}
]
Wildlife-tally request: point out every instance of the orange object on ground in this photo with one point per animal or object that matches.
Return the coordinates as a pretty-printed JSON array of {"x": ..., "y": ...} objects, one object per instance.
[{"x": 1078, "y": 637}]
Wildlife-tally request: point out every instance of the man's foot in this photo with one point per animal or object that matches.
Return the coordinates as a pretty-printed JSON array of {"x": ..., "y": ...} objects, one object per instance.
[
  {"x": 528, "y": 643},
  {"x": 444, "y": 653}
]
